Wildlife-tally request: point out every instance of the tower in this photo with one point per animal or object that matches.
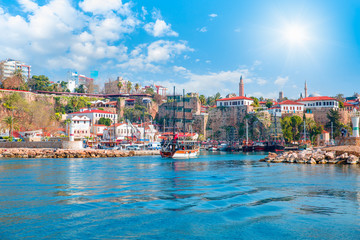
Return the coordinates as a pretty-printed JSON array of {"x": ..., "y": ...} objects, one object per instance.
[
  {"x": 281, "y": 96},
  {"x": 305, "y": 89},
  {"x": 241, "y": 87}
]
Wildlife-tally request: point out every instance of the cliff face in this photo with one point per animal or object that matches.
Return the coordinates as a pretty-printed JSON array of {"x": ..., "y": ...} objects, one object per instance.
[{"x": 220, "y": 119}]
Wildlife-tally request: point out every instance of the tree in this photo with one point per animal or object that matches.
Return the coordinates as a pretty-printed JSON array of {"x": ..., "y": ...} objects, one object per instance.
[
  {"x": 256, "y": 102},
  {"x": 11, "y": 124},
  {"x": 202, "y": 99},
  {"x": 340, "y": 97},
  {"x": 129, "y": 86},
  {"x": 63, "y": 86},
  {"x": 334, "y": 118},
  {"x": 41, "y": 83},
  {"x": 211, "y": 101},
  {"x": 217, "y": 96},
  {"x": 80, "y": 89},
  {"x": 295, "y": 124},
  {"x": 287, "y": 128},
  {"x": 269, "y": 104},
  {"x": 137, "y": 86},
  {"x": 16, "y": 81},
  {"x": 105, "y": 121},
  {"x": 150, "y": 91},
  {"x": 119, "y": 85}
]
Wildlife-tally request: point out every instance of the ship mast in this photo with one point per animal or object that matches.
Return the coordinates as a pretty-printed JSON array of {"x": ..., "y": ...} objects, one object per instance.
[
  {"x": 174, "y": 113},
  {"x": 184, "y": 129}
]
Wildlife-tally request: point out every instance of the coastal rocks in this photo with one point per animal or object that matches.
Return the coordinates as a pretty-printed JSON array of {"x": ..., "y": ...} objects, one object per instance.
[
  {"x": 61, "y": 153},
  {"x": 317, "y": 156}
]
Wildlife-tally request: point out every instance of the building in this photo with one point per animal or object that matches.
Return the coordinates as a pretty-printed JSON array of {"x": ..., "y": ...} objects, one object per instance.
[
  {"x": 94, "y": 115},
  {"x": 81, "y": 126},
  {"x": 98, "y": 130},
  {"x": 9, "y": 66},
  {"x": 112, "y": 87},
  {"x": 74, "y": 80},
  {"x": 125, "y": 131},
  {"x": 319, "y": 102},
  {"x": 281, "y": 96},
  {"x": 305, "y": 90},
  {"x": 241, "y": 87},
  {"x": 234, "y": 102},
  {"x": 158, "y": 89},
  {"x": 289, "y": 106}
]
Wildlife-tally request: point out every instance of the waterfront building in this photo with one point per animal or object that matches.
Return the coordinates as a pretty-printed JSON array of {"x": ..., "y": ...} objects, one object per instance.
[
  {"x": 289, "y": 106},
  {"x": 81, "y": 126},
  {"x": 320, "y": 102},
  {"x": 275, "y": 111},
  {"x": 9, "y": 66},
  {"x": 234, "y": 102},
  {"x": 98, "y": 130},
  {"x": 125, "y": 131},
  {"x": 95, "y": 115}
]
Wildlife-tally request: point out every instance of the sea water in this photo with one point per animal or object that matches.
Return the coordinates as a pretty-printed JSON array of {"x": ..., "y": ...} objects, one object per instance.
[{"x": 217, "y": 196}]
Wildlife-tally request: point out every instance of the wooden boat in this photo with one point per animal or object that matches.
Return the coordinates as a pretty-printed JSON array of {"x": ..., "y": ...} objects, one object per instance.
[{"x": 180, "y": 149}]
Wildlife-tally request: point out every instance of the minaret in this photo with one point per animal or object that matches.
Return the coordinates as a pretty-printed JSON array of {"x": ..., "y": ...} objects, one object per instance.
[
  {"x": 305, "y": 89},
  {"x": 241, "y": 87}
]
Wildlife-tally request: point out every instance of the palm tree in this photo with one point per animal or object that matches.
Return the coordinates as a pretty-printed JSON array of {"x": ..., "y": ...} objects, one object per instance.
[
  {"x": 202, "y": 99},
  {"x": 137, "y": 86},
  {"x": 119, "y": 85},
  {"x": 11, "y": 123},
  {"x": 129, "y": 86}
]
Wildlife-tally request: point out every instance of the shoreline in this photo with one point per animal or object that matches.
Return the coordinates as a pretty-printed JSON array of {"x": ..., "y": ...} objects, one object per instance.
[
  {"x": 327, "y": 155},
  {"x": 64, "y": 153}
]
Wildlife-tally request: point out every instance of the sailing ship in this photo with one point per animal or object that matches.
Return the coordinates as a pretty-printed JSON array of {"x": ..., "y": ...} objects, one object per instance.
[
  {"x": 276, "y": 142},
  {"x": 178, "y": 146},
  {"x": 247, "y": 145}
]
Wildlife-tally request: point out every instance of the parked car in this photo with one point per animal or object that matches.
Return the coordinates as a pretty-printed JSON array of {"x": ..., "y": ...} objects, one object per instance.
[
  {"x": 154, "y": 146},
  {"x": 132, "y": 147}
]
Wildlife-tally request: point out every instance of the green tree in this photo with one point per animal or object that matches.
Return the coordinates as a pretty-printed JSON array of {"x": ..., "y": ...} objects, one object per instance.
[
  {"x": 269, "y": 104},
  {"x": 211, "y": 101},
  {"x": 11, "y": 124},
  {"x": 137, "y": 86},
  {"x": 256, "y": 102},
  {"x": 150, "y": 91},
  {"x": 217, "y": 96},
  {"x": 63, "y": 86},
  {"x": 129, "y": 86},
  {"x": 296, "y": 122},
  {"x": 41, "y": 83},
  {"x": 287, "y": 128},
  {"x": 105, "y": 121},
  {"x": 80, "y": 89},
  {"x": 334, "y": 118},
  {"x": 202, "y": 99},
  {"x": 119, "y": 85}
]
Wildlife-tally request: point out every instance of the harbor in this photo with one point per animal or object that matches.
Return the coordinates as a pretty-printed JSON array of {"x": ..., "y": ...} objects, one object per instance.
[{"x": 217, "y": 195}]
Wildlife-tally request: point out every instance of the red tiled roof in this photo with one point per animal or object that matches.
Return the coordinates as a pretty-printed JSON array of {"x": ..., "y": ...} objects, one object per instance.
[
  {"x": 130, "y": 99},
  {"x": 308, "y": 99},
  {"x": 289, "y": 102},
  {"x": 235, "y": 98},
  {"x": 99, "y": 125},
  {"x": 348, "y": 104},
  {"x": 92, "y": 111}
]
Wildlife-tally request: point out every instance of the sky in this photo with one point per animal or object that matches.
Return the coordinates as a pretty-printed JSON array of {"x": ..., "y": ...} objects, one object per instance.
[{"x": 201, "y": 46}]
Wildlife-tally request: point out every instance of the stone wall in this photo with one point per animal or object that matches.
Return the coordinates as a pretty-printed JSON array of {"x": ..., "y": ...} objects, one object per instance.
[
  {"x": 199, "y": 124},
  {"x": 320, "y": 116},
  {"x": 221, "y": 117},
  {"x": 31, "y": 144}
]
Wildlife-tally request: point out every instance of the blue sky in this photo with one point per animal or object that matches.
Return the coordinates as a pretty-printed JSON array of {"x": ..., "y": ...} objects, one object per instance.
[{"x": 199, "y": 45}]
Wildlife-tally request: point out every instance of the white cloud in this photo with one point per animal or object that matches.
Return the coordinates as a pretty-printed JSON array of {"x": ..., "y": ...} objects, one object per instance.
[
  {"x": 213, "y": 15},
  {"x": 203, "y": 29},
  {"x": 261, "y": 81},
  {"x": 267, "y": 95},
  {"x": 100, "y": 6},
  {"x": 237, "y": 30},
  {"x": 145, "y": 56},
  {"x": 208, "y": 61},
  {"x": 160, "y": 29},
  {"x": 212, "y": 82},
  {"x": 179, "y": 69},
  {"x": 28, "y": 5},
  {"x": 281, "y": 80}
]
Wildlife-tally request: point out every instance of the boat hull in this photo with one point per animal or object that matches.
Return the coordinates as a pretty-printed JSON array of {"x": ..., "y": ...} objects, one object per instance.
[{"x": 181, "y": 154}]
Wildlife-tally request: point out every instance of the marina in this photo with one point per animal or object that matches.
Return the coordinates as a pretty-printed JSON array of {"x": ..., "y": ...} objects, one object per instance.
[{"x": 217, "y": 195}]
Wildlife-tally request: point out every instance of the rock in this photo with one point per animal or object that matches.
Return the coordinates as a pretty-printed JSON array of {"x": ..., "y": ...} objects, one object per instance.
[
  {"x": 352, "y": 159},
  {"x": 312, "y": 161},
  {"x": 329, "y": 155}
]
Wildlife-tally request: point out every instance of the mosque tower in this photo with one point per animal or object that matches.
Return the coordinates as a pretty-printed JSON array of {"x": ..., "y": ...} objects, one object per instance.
[
  {"x": 305, "y": 90},
  {"x": 241, "y": 87}
]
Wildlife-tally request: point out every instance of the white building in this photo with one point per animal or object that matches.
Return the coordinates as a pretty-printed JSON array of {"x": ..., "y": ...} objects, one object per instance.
[
  {"x": 98, "y": 129},
  {"x": 9, "y": 66},
  {"x": 81, "y": 125},
  {"x": 95, "y": 115},
  {"x": 234, "y": 102},
  {"x": 320, "y": 102},
  {"x": 124, "y": 131},
  {"x": 275, "y": 111},
  {"x": 289, "y": 106}
]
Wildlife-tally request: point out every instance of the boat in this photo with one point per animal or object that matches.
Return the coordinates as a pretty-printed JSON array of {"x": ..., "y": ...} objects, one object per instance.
[
  {"x": 223, "y": 147},
  {"x": 247, "y": 145},
  {"x": 276, "y": 142},
  {"x": 260, "y": 146},
  {"x": 176, "y": 147}
]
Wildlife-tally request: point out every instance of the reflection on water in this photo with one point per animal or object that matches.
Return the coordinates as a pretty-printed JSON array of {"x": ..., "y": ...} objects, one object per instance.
[{"x": 215, "y": 196}]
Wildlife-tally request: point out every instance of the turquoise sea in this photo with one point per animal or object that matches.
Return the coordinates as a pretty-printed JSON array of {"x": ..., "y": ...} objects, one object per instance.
[{"x": 217, "y": 196}]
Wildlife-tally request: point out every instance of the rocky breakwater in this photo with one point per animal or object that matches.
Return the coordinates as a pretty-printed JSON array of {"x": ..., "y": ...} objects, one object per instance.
[
  {"x": 62, "y": 153},
  {"x": 313, "y": 156}
]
